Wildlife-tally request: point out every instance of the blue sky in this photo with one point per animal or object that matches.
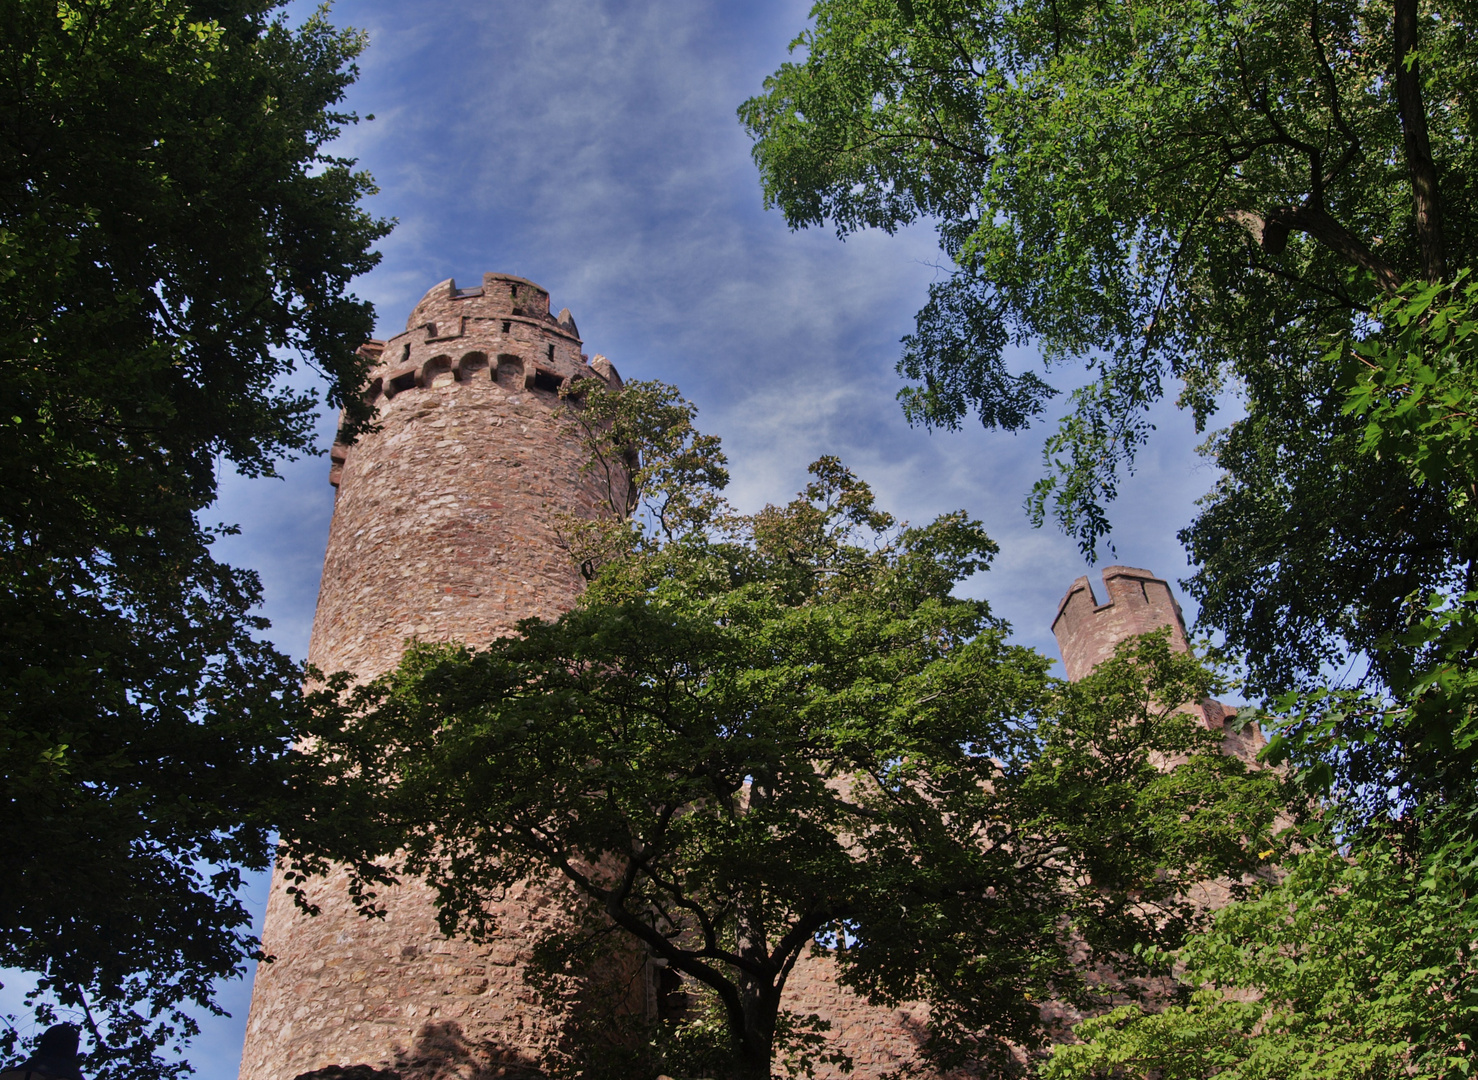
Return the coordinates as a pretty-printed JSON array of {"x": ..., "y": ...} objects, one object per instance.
[{"x": 593, "y": 147}]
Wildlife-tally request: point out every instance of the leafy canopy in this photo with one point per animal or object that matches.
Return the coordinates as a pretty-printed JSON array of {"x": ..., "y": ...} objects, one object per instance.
[
  {"x": 1201, "y": 192},
  {"x": 1408, "y": 392},
  {"x": 757, "y": 733},
  {"x": 1272, "y": 200},
  {"x": 1348, "y": 967},
  {"x": 1361, "y": 961},
  {"x": 174, "y": 238}
]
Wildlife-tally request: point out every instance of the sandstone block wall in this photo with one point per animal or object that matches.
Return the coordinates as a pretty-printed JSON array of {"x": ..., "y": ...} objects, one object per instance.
[
  {"x": 443, "y": 530},
  {"x": 880, "y": 1041}
]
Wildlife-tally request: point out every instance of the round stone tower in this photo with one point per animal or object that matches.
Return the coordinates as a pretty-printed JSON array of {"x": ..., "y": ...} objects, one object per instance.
[{"x": 443, "y": 530}]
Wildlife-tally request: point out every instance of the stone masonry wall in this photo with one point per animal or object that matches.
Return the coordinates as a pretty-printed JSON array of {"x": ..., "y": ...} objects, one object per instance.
[
  {"x": 442, "y": 531},
  {"x": 879, "y": 1040}
]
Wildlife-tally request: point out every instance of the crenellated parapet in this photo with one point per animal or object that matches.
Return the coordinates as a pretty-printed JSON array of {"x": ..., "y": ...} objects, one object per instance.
[
  {"x": 501, "y": 328},
  {"x": 1137, "y": 603},
  {"x": 499, "y": 334}
]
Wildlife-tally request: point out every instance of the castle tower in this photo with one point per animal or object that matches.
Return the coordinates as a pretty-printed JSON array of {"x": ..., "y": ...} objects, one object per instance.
[
  {"x": 1137, "y": 603},
  {"x": 442, "y": 531},
  {"x": 882, "y": 1040},
  {"x": 1087, "y": 633}
]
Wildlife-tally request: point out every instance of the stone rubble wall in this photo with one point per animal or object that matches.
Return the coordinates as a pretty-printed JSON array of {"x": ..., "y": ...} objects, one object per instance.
[{"x": 879, "y": 1040}]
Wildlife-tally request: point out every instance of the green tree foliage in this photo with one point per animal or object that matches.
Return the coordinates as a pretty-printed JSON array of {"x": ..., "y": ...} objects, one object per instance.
[
  {"x": 1360, "y": 965},
  {"x": 1201, "y": 191},
  {"x": 757, "y": 732},
  {"x": 1347, "y": 968},
  {"x": 172, "y": 236},
  {"x": 1268, "y": 199},
  {"x": 1409, "y": 391}
]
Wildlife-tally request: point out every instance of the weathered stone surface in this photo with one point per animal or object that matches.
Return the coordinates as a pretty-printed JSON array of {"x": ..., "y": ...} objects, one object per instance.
[
  {"x": 879, "y": 1040},
  {"x": 1137, "y": 603},
  {"x": 349, "y": 1072},
  {"x": 443, "y": 530}
]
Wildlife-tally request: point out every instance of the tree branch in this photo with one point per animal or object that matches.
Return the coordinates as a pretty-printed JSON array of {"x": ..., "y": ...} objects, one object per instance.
[
  {"x": 1270, "y": 232},
  {"x": 1326, "y": 74}
]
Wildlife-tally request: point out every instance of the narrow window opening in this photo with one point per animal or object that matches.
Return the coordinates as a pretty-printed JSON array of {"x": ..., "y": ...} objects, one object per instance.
[
  {"x": 673, "y": 1002},
  {"x": 514, "y": 290},
  {"x": 551, "y": 351},
  {"x": 507, "y": 326}
]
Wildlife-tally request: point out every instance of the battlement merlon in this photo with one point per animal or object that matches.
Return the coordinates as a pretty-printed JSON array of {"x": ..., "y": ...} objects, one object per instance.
[
  {"x": 1138, "y": 602},
  {"x": 500, "y": 296}
]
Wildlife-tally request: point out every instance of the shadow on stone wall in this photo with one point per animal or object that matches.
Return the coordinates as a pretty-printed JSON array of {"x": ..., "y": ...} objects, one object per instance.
[
  {"x": 442, "y": 1052},
  {"x": 348, "y": 1072}
]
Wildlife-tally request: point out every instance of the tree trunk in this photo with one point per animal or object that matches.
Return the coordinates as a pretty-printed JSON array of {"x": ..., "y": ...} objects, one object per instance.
[
  {"x": 759, "y": 994},
  {"x": 755, "y": 1041},
  {"x": 1419, "y": 163}
]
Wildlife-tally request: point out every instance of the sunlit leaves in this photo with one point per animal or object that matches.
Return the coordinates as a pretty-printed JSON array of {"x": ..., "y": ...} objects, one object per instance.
[
  {"x": 1102, "y": 178},
  {"x": 1346, "y": 967}
]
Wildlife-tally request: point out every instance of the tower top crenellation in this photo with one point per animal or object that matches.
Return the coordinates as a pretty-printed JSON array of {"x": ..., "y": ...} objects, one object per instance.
[
  {"x": 500, "y": 296},
  {"x": 1137, "y": 603},
  {"x": 500, "y": 330}
]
